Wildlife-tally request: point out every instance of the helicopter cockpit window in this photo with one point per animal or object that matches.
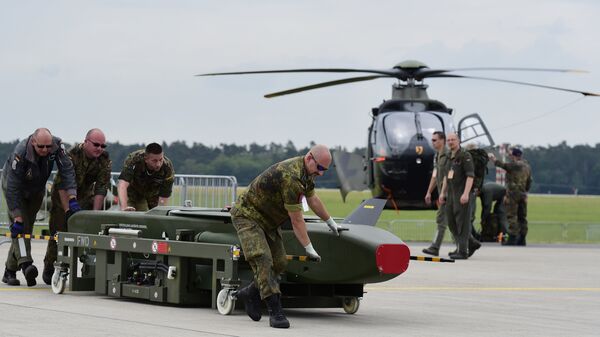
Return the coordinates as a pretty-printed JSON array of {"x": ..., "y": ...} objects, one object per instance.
[
  {"x": 399, "y": 129},
  {"x": 429, "y": 124}
]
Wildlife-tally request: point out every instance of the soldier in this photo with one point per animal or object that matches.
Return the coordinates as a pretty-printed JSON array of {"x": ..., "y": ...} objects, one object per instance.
[
  {"x": 92, "y": 173},
  {"x": 456, "y": 193},
  {"x": 24, "y": 178},
  {"x": 146, "y": 180},
  {"x": 492, "y": 194},
  {"x": 274, "y": 197},
  {"x": 518, "y": 182},
  {"x": 438, "y": 141}
]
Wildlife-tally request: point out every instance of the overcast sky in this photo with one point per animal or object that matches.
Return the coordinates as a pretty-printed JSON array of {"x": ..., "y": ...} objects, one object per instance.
[{"x": 128, "y": 67}]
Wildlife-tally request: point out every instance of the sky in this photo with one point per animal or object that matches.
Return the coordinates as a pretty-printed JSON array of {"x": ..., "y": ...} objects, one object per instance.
[{"x": 128, "y": 67}]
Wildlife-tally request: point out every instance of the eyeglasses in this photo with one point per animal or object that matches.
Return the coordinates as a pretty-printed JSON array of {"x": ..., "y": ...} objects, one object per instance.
[
  {"x": 40, "y": 146},
  {"x": 97, "y": 144},
  {"x": 319, "y": 166}
]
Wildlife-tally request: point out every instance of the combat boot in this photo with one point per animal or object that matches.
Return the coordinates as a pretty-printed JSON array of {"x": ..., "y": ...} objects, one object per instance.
[
  {"x": 432, "y": 251},
  {"x": 459, "y": 256},
  {"x": 251, "y": 297},
  {"x": 276, "y": 316},
  {"x": 10, "y": 278},
  {"x": 473, "y": 246},
  {"x": 47, "y": 274},
  {"x": 521, "y": 240},
  {"x": 30, "y": 272}
]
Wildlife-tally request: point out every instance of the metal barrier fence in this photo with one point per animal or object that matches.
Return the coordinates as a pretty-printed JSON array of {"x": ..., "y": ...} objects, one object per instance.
[{"x": 188, "y": 190}]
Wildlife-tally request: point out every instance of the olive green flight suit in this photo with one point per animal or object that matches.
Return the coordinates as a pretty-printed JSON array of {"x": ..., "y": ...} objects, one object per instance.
[{"x": 459, "y": 167}]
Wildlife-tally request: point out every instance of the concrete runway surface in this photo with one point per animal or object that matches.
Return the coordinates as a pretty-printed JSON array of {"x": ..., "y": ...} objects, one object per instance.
[{"x": 538, "y": 290}]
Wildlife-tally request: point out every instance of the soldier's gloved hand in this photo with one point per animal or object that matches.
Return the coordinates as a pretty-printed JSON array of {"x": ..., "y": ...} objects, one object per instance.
[
  {"x": 16, "y": 228},
  {"x": 335, "y": 228},
  {"x": 74, "y": 205},
  {"x": 312, "y": 253}
]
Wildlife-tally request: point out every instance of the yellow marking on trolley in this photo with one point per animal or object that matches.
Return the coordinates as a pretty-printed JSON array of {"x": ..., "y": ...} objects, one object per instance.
[
  {"x": 540, "y": 289},
  {"x": 369, "y": 206}
]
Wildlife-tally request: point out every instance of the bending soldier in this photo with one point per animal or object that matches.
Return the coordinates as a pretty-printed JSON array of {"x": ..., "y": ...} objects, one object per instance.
[
  {"x": 518, "y": 182},
  {"x": 274, "y": 197},
  {"x": 492, "y": 223},
  {"x": 92, "y": 168},
  {"x": 24, "y": 178},
  {"x": 146, "y": 180}
]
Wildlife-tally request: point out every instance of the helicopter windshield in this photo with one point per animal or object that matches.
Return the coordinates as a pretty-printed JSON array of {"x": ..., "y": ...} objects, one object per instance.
[{"x": 400, "y": 128}]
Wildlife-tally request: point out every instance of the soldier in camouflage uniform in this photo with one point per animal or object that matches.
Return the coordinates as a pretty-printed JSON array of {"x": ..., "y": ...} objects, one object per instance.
[
  {"x": 518, "y": 182},
  {"x": 274, "y": 197},
  {"x": 92, "y": 174},
  {"x": 438, "y": 140},
  {"x": 24, "y": 178},
  {"x": 146, "y": 180},
  {"x": 456, "y": 193}
]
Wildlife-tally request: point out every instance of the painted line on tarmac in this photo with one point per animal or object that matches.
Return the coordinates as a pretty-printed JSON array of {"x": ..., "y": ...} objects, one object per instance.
[
  {"x": 541, "y": 289},
  {"x": 23, "y": 289}
]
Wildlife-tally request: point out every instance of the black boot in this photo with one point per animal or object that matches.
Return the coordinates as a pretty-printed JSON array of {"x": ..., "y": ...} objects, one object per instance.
[
  {"x": 251, "y": 297},
  {"x": 521, "y": 240},
  {"x": 30, "y": 272},
  {"x": 10, "y": 278},
  {"x": 47, "y": 274},
  {"x": 458, "y": 255},
  {"x": 432, "y": 251},
  {"x": 276, "y": 316},
  {"x": 473, "y": 246}
]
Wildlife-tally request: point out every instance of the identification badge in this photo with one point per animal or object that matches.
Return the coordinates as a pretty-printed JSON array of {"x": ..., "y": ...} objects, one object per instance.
[
  {"x": 304, "y": 204},
  {"x": 450, "y": 174}
]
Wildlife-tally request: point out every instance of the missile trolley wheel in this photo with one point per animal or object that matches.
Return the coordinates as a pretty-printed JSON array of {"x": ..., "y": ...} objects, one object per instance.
[
  {"x": 225, "y": 303},
  {"x": 59, "y": 280},
  {"x": 350, "y": 304}
]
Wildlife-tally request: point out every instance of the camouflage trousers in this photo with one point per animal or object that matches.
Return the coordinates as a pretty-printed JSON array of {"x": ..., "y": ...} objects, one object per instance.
[
  {"x": 516, "y": 212},
  {"x": 265, "y": 254},
  {"x": 20, "y": 249}
]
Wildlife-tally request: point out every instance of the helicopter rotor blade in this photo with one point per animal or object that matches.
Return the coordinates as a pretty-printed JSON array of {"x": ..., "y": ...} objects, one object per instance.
[
  {"x": 584, "y": 93},
  {"x": 323, "y": 85},
  {"x": 518, "y": 69},
  {"x": 390, "y": 72}
]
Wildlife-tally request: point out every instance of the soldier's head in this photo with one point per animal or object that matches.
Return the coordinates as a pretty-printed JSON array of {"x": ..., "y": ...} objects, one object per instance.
[
  {"x": 438, "y": 140},
  {"x": 453, "y": 142},
  {"x": 42, "y": 141},
  {"x": 516, "y": 153},
  {"x": 153, "y": 157},
  {"x": 317, "y": 160},
  {"x": 94, "y": 143}
]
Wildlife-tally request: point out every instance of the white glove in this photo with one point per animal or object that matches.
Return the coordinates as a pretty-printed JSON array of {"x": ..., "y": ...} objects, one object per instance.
[
  {"x": 335, "y": 228},
  {"x": 312, "y": 253}
]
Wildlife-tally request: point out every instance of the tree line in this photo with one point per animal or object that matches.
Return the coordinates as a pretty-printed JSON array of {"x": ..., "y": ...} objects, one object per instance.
[{"x": 558, "y": 169}]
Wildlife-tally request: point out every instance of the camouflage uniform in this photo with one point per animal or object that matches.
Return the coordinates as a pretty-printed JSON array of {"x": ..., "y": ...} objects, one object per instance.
[
  {"x": 459, "y": 167},
  {"x": 92, "y": 177},
  {"x": 440, "y": 163},
  {"x": 492, "y": 193},
  {"x": 518, "y": 182},
  {"x": 24, "y": 178},
  {"x": 259, "y": 213},
  {"x": 146, "y": 187}
]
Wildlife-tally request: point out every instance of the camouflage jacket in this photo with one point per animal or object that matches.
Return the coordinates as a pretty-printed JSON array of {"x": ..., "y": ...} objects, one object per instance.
[
  {"x": 518, "y": 175},
  {"x": 92, "y": 176},
  {"x": 440, "y": 162},
  {"x": 458, "y": 168},
  {"x": 25, "y": 173},
  {"x": 274, "y": 193},
  {"x": 144, "y": 185}
]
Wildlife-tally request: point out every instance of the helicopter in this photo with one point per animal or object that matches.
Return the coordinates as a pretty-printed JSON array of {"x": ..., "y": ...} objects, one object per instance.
[{"x": 398, "y": 161}]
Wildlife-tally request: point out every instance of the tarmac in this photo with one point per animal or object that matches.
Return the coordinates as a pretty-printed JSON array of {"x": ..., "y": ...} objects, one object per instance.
[{"x": 538, "y": 290}]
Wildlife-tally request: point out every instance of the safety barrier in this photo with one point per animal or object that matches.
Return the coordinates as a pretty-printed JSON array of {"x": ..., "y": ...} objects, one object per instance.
[{"x": 189, "y": 190}]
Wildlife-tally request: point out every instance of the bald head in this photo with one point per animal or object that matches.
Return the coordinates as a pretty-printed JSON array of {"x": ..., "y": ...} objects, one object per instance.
[
  {"x": 42, "y": 141},
  {"x": 317, "y": 160},
  {"x": 94, "y": 143}
]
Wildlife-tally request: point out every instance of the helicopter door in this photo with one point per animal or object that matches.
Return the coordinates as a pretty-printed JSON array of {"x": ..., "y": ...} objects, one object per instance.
[{"x": 472, "y": 130}]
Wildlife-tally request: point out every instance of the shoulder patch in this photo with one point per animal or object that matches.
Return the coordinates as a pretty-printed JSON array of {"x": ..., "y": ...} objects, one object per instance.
[{"x": 14, "y": 164}]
